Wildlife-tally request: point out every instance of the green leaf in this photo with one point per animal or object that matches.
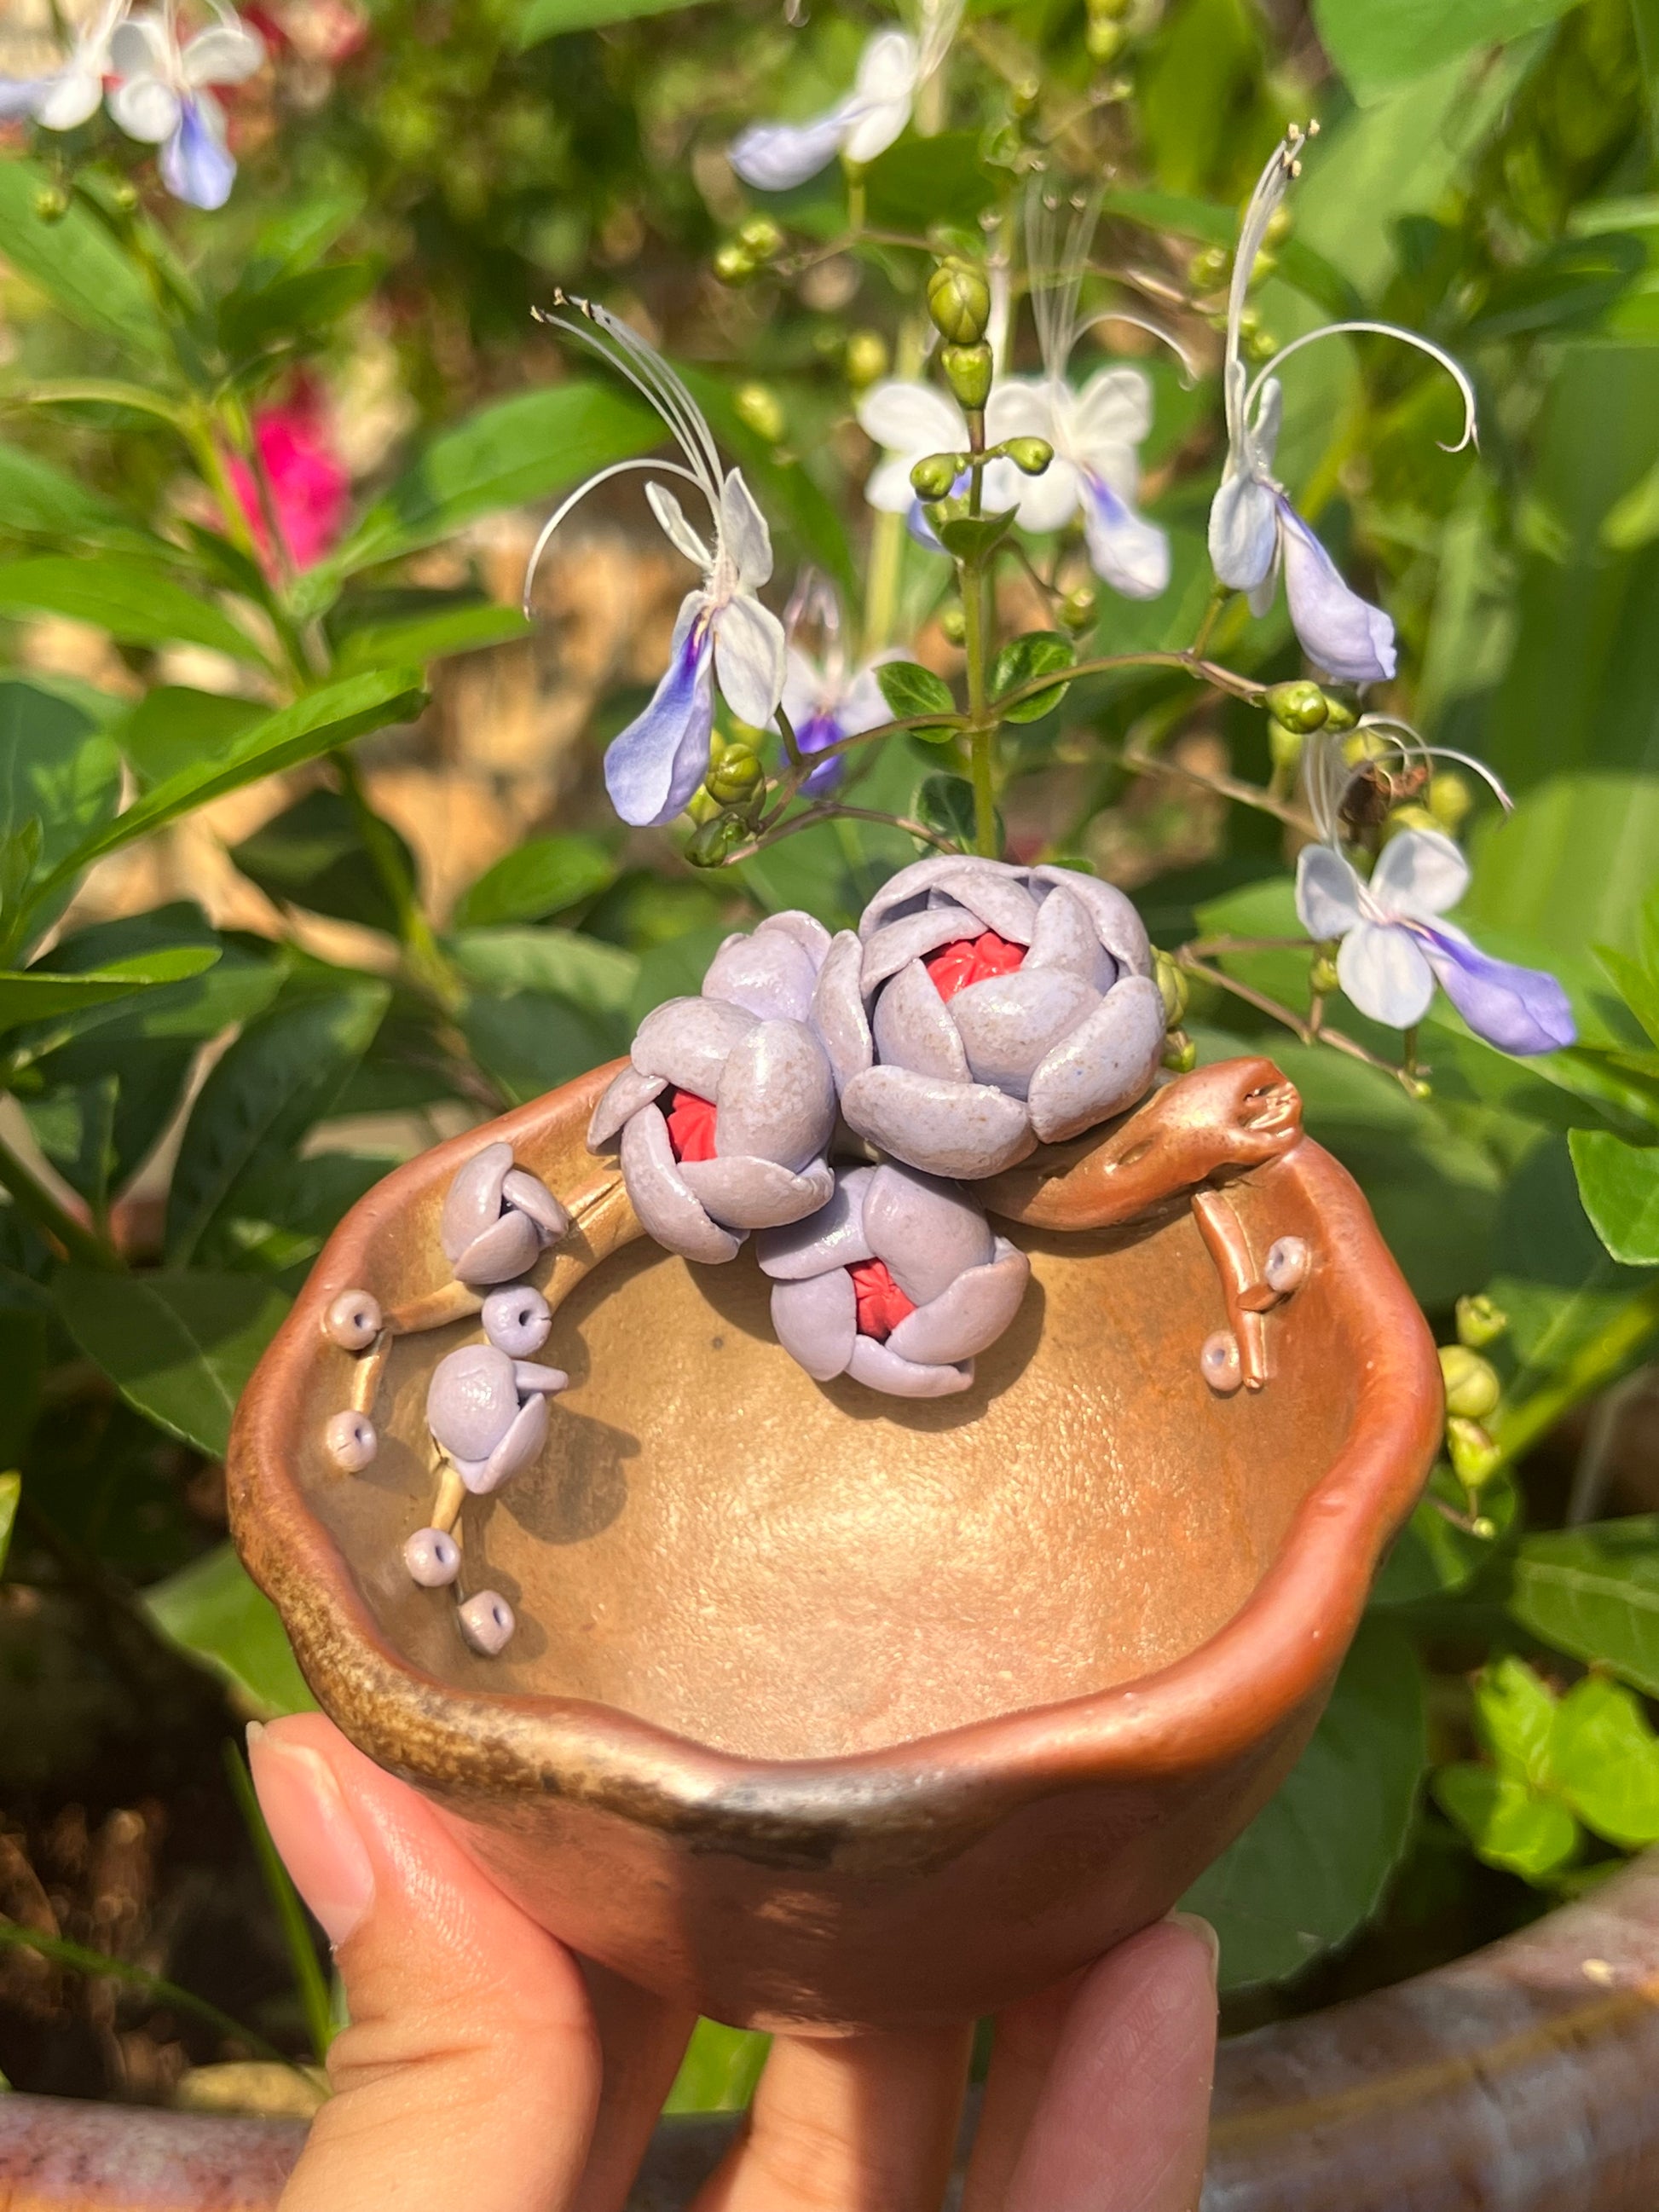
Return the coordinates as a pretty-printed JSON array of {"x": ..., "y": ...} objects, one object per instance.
[
  {"x": 298, "y": 304},
  {"x": 39, "y": 499},
  {"x": 1313, "y": 1866},
  {"x": 542, "y": 876},
  {"x": 173, "y": 729},
  {"x": 972, "y": 537},
  {"x": 674, "y": 968},
  {"x": 430, "y": 637},
  {"x": 179, "y": 1347},
  {"x": 1607, "y": 1762},
  {"x": 284, "y": 1210},
  {"x": 135, "y": 600},
  {"x": 1378, "y": 45},
  {"x": 312, "y": 855},
  {"x": 549, "y": 19},
  {"x": 1594, "y": 1592},
  {"x": 597, "y": 976},
  {"x": 1620, "y": 1186},
  {"x": 1507, "y": 1824},
  {"x": 1515, "y": 1714},
  {"x": 909, "y": 688},
  {"x": 920, "y": 182},
  {"x": 1022, "y": 661},
  {"x": 76, "y": 262},
  {"x": 57, "y": 767},
  {"x": 38, "y": 995},
  {"x": 945, "y": 804},
  {"x": 282, "y": 1073},
  {"x": 719, "y": 2070},
  {"x": 519, "y": 449},
  {"x": 212, "y": 1611},
  {"x": 1638, "y": 987},
  {"x": 552, "y": 1005},
  {"x": 11, "y": 1490}
]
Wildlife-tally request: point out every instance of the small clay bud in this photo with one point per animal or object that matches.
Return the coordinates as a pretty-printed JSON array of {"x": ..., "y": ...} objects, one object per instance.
[
  {"x": 1078, "y": 607},
  {"x": 1474, "y": 1457},
  {"x": 734, "y": 264},
  {"x": 968, "y": 372},
  {"x": 487, "y": 1623},
  {"x": 1288, "y": 1261},
  {"x": 1479, "y": 1322},
  {"x": 759, "y": 407},
  {"x": 354, "y": 1321},
  {"x": 866, "y": 359},
  {"x": 350, "y": 1442},
  {"x": 760, "y": 238},
  {"x": 1030, "y": 456},
  {"x": 934, "y": 476},
  {"x": 1449, "y": 800},
  {"x": 1473, "y": 1389},
  {"x": 954, "y": 624},
  {"x": 432, "y": 1557},
  {"x": 517, "y": 1320},
  {"x": 1300, "y": 706},
  {"x": 959, "y": 301},
  {"x": 1171, "y": 979},
  {"x": 1220, "y": 1365},
  {"x": 736, "y": 777}
]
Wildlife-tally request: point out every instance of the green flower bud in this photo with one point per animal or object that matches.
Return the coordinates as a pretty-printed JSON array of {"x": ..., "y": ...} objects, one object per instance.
[
  {"x": 1479, "y": 1322},
  {"x": 1341, "y": 714},
  {"x": 935, "y": 473},
  {"x": 1024, "y": 96},
  {"x": 1449, "y": 800},
  {"x": 1078, "y": 607},
  {"x": 1030, "y": 456},
  {"x": 711, "y": 843},
  {"x": 51, "y": 203},
  {"x": 1180, "y": 1053},
  {"x": 1279, "y": 226},
  {"x": 968, "y": 372},
  {"x": 760, "y": 238},
  {"x": 1261, "y": 345},
  {"x": 1171, "y": 979},
  {"x": 1323, "y": 978},
  {"x": 1208, "y": 268},
  {"x": 1104, "y": 40},
  {"x": 1474, "y": 1457},
  {"x": 734, "y": 264},
  {"x": 1473, "y": 1389},
  {"x": 1409, "y": 817},
  {"x": 759, "y": 406},
  {"x": 959, "y": 301},
  {"x": 1284, "y": 744},
  {"x": 737, "y": 777},
  {"x": 954, "y": 624},
  {"x": 866, "y": 359},
  {"x": 1300, "y": 706}
]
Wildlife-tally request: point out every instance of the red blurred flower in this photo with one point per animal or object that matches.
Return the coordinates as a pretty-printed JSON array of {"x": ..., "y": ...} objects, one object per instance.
[{"x": 310, "y": 488}]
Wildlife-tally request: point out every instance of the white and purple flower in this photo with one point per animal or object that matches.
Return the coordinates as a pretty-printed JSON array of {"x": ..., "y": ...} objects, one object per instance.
[
  {"x": 827, "y": 696},
  {"x": 164, "y": 98},
  {"x": 724, "y": 636},
  {"x": 1255, "y": 532},
  {"x": 70, "y": 96},
  {"x": 774, "y": 157}
]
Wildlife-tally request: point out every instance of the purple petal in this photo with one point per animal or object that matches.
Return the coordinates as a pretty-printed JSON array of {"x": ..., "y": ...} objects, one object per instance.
[
  {"x": 943, "y": 1129},
  {"x": 652, "y": 769},
  {"x": 913, "y": 1027},
  {"x": 993, "y": 893},
  {"x": 1066, "y": 938},
  {"x": 689, "y": 1041},
  {"x": 927, "y": 1231},
  {"x": 1344, "y": 635},
  {"x": 775, "y": 157},
  {"x": 776, "y": 1098},
  {"x": 838, "y": 1014},
  {"x": 816, "y": 1320},
  {"x": 667, "y": 1207},
  {"x": 878, "y": 1368},
  {"x": 969, "y": 1314},
  {"x": 529, "y": 1375},
  {"x": 1520, "y": 1010},
  {"x": 623, "y": 1096},
  {"x": 1117, "y": 923},
  {"x": 507, "y": 1248},
  {"x": 1010, "y": 1024},
  {"x": 769, "y": 974},
  {"x": 525, "y": 1435},
  {"x": 22, "y": 95},
  {"x": 474, "y": 1199},
  {"x": 528, "y": 1194},
  {"x": 195, "y": 165},
  {"x": 812, "y": 737},
  {"x": 471, "y": 1400},
  {"x": 896, "y": 944},
  {"x": 1129, "y": 553},
  {"x": 805, "y": 929},
  {"x": 1104, "y": 1065},
  {"x": 907, "y": 891},
  {"x": 747, "y": 1193},
  {"x": 832, "y": 1238}
]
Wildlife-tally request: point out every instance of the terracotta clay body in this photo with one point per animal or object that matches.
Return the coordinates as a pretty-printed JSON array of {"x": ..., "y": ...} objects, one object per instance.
[{"x": 826, "y": 1710}]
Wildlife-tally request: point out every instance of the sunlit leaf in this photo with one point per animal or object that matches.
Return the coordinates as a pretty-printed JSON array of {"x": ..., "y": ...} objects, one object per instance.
[
  {"x": 213, "y": 1611},
  {"x": 1620, "y": 1186},
  {"x": 1594, "y": 1592}
]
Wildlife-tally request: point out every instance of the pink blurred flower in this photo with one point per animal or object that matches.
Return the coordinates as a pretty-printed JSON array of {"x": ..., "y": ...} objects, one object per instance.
[{"x": 310, "y": 487}]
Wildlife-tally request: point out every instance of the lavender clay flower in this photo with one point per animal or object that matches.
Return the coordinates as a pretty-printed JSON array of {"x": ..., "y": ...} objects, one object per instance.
[
  {"x": 725, "y": 1113},
  {"x": 982, "y": 1009},
  {"x": 898, "y": 1282},
  {"x": 498, "y": 1219},
  {"x": 488, "y": 1413}
]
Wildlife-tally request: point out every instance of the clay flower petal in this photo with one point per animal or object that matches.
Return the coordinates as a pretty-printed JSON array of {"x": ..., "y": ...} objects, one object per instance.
[
  {"x": 927, "y": 1232},
  {"x": 670, "y": 1210},
  {"x": 623, "y": 1096},
  {"x": 907, "y": 892},
  {"x": 880, "y": 1368},
  {"x": 471, "y": 1400},
  {"x": 1010, "y": 1024},
  {"x": 969, "y": 1314},
  {"x": 817, "y": 1321},
  {"x": 748, "y": 1192},
  {"x": 525, "y": 1435},
  {"x": 689, "y": 1041},
  {"x": 913, "y": 1028},
  {"x": 507, "y": 1248},
  {"x": 1066, "y": 938},
  {"x": 1117, "y": 921},
  {"x": 912, "y": 938},
  {"x": 832, "y": 1238},
  {"x": 776, "y": 1097},
  {"x": 1000, "y": 901},
  {"x": 838, "y": 1014},
  {"x": 770, "y": 972},
  {"x": 943, "y": 1129},
  {"x": 1102, "y": 1067},
  {"x": 474, "y": 1199},
  {"x": 528, "y": 1194}
]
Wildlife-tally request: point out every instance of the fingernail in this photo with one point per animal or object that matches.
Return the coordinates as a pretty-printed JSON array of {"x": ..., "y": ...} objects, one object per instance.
[
  {"x": 313, "y": 1829},
  {"x": 1196, "y": 1925}
]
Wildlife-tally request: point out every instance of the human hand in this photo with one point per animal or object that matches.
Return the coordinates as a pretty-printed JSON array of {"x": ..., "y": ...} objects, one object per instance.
[{"x": 486, "y": 2067}]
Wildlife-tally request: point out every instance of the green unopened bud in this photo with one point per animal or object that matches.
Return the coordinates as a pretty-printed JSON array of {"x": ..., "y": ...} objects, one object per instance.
[
  {"x": 1024, "y": 96},
  {"x": 1341, "y": 714},
  {"x": 1300, "y": 706},
  {"x": 934, "y": 476},
  {"x": 1449, "y": 800},
  {"x": 759, "y": 406},
  {"x": 1078, "y": 607},
  {"x": 1261, "y": 345},
  {"x": 1474, "y": 1457},
  {"x": 1171, "y": 979},
  {"x": 968, "y": 372},
  {"x": 954, "y": 624},
  {"x": 760, "y": 238},
  {"x": 734, "y": 264},
  {"x": 123, "y": 195},
  {"x": 866, "y": 359},
  {"x": 1207, "y": 269},
  {"x": 1409, "y": 817},
  {"x": 1473, "y": 1389},
  {"x": 1479, "y": 1322},
  {"x": 1030, "y": 456},
  {"x": 1284, "y": 744},
  {"x": 1104, "y": 40},
  {"x": 736, "y": 777},
  {"x": 959, "y": 301},
  {"x": 51, "y": 203},
  {"x": 1180, "y": 1053},
  {"x": 1323, "y": 978},
  {"x": 712, "y": 840}
]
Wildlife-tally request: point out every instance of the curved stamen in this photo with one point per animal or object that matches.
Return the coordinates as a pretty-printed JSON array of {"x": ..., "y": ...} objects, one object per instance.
[
  {"x": 1329, "y": 777},
  {"x": 1452, "y": 368},
  {"x": 1144, "y": 323},
  {"x": 939, "y": 22},
  {"x": 651, "y": 376},
  {"x": 1283, "y": 165},
  {"x": 616, "y": 469}
]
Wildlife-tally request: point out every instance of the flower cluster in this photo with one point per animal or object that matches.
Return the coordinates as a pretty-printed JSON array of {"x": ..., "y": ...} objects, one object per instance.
[{"x": 157, "y": 86}]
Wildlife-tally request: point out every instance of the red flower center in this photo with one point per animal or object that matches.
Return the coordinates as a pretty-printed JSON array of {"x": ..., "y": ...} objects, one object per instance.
[
  {"x": 971, "y": 960},
  {"x": 690, "y": 1126},
  {"x": 882, "y": 1305}
]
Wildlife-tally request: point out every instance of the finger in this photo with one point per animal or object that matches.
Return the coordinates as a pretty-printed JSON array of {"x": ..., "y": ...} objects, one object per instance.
[
  {"x": 470, "y": 2074},
  {"x": 1027, "y": 2037},
  {"x": 856, "y": 2124},
  {"x": 643, "y": 2039},
  {"x": 1123, "y": 2119}
]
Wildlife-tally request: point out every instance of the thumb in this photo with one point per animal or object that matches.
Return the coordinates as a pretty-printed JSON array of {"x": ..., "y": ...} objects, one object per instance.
[{"x": 470, "y": 2073}]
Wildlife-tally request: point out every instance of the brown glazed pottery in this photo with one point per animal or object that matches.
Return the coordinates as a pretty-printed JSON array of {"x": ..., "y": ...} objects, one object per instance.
[{"x": 829, "y": 1710}]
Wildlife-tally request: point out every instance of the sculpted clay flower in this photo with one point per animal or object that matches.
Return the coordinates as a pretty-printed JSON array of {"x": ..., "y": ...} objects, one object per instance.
[
  {"x": 498, "y": 1219},
  {"x": 490, "y": 1412},
  {"x": 983, "y": 1008},
  {"x": 727, "y": 1109},
  {"x": 898, "y": 1282}
]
